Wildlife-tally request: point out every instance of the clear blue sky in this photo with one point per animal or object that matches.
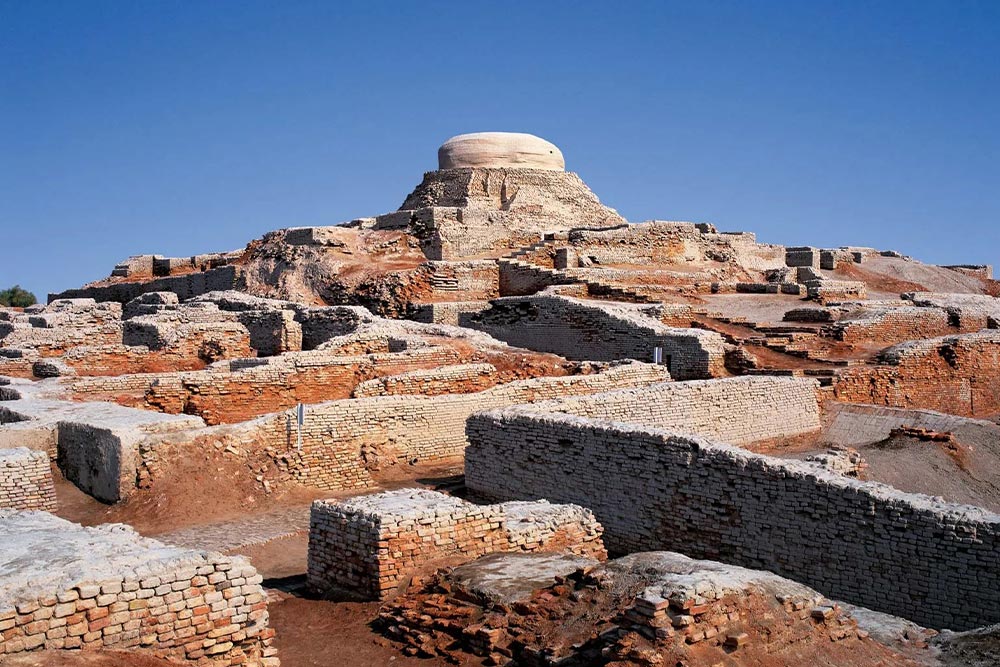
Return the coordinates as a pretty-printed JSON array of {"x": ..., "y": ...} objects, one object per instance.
[{"x": 132, "y": 127}]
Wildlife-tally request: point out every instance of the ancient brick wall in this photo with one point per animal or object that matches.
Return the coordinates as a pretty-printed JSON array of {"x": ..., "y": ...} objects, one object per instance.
[
  {"x": 953, "y": 374},
  {"x": 464, "y": 281},
  {"x": 457, "y": 379},
  {"x": 184, "y": 286},
  {"x": 589, "y": 330},
  {"x": 184, "y": 605},
  {"x": 887, "y": 326},
  {"x": 739, "y": 410},
  {"x": 865, "y": 543},
  {"x": 370, "y": 545},
  {"x": 456, "y": 313},
  {"x": 346, "y": 442},
  {"x": 26, "y": 480},
  {"x": 260, "y": 386}
]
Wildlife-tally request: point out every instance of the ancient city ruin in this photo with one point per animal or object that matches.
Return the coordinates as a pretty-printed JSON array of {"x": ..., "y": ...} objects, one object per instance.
[{"x": 502, "y": 425}]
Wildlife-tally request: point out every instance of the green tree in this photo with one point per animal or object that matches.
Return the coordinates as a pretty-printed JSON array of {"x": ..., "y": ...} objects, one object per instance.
[{"x": 17, "y": 297}]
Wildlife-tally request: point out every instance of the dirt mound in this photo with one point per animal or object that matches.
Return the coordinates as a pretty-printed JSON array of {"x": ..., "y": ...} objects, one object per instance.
[
  {"x": 895, "y": 275},
  {"x": 380, "y": 270}
]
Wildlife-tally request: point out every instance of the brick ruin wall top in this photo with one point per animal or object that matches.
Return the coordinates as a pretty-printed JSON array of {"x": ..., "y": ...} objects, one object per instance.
[
  {"x": 862, "y": 542},
  {"x": 79, "y": 587},
  {"x": 371, "y": 544}
]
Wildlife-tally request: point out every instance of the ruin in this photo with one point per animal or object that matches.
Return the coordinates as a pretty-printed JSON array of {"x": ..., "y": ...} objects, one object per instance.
[{"x": 503, "y": 425}]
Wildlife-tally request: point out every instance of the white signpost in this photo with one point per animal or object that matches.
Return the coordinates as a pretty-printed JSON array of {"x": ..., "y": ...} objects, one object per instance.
[{"x": 300, "y": 418}]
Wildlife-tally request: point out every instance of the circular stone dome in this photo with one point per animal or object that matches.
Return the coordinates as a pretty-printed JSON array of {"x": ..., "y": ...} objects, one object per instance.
[{"x": 500, "y": 149}]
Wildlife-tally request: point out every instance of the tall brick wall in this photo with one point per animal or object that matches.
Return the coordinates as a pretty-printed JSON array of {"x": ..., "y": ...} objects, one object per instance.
[
  {"x": 26, "y": 480},
  {"x": 595, "y": 331},
  {"x": 372, "y": 544},
  {"x": 953, "y": 374},
  {"x": 865, "y": 543}
]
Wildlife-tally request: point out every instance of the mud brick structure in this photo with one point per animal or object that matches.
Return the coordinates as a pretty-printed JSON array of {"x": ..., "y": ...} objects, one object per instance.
[
  {"x": 108, "y": 587},
  {"x": 888, "y": 326},
  {"x": 26, "y": 480},
  {"x": 458, "y": 378},
  {"x": 652, "y": 489},
  {"x": 372, "y": 544},
  {"x": 347, "y": 443},
  {"x": 605, "y": 332},
  {"x": 740, "y": 410},
  {"x": 648, "y": 608},
  {"x": 96, "y": 445},
  {"x": 954, "y": 374}
]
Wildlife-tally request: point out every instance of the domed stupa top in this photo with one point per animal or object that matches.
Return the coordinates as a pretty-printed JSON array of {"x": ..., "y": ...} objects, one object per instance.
[{"x": 500, "y": 149}]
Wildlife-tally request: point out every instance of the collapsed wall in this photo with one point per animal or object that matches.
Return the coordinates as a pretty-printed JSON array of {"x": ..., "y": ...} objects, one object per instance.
[
  {"x": 26, "y": 480},
  {"x": 373, "y": 544},
  {"x": 651, "y": 488},
  {"x": 588, "y": 330},
  {"x": 70, "y": 587},
  {"x": 654, "y": 608}
]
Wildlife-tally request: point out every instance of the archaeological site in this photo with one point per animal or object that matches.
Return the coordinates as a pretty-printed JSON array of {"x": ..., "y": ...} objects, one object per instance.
[{"x": 503, "y": 425}]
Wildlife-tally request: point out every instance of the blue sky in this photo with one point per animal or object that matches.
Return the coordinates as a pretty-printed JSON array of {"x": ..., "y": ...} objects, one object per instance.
[{"x": 186, "y": 127}]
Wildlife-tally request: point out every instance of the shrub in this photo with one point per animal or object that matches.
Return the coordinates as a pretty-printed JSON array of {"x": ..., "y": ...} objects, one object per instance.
[{"x": 17, "y": 297}]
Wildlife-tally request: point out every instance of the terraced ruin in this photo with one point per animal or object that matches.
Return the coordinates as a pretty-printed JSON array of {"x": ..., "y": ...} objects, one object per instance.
[{"x": 502, "y": 425}]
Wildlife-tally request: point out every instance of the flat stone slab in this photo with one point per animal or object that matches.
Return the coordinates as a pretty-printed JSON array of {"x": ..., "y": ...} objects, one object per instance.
[{"x": 511, "y": 577}]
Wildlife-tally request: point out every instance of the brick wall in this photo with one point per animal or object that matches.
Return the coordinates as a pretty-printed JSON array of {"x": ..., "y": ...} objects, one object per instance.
[
  {"x": 460, "y": 378},
  {"x": 887, "y": 326},
  {"x": 652, "y": 489},
  {"x": 373, "y": 544},
  {"x": 596, "y": 331},
  {"x": 177, "y": 603},
  {"x": 260, "y": 386},
  {"x": 740, "y": 410},
  {"x": 26, "y": 480},
  {"x": 953, "y": 374},
  {"x": 345, "y": 443}
]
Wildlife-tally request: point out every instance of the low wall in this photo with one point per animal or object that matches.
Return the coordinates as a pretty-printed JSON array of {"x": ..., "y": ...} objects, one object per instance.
[
  {"x": 865, "y": 543},
  {"x": 26, "y": 480},
  {"x": 588, "y": 330},
  {"x": 184, "y": 286},
  {"x": 345, "y": 442},
  {"x": 888, "y": 326},
  {"x": 70, "y": 587},
  {"x": 371, "y": 545},
  {"x": 740, "y": 410}
]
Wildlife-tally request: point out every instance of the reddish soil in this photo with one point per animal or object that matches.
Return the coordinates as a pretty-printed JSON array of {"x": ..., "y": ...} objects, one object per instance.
[{"x": 88, "y": 659}]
